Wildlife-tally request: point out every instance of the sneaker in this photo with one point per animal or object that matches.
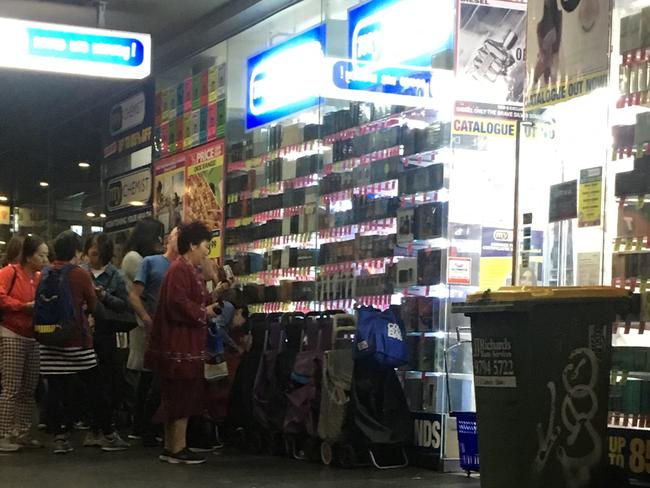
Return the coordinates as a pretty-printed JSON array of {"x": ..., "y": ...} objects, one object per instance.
[
  {"x": 81, "y": 425},
  {"x": 113, "y": 442},
  {"x": 62, "y": 445},
  {"x": 164, "y": 455},
  {"x": 7, "y": 446},
  {"x": 93, "y": 439},
  {"x": 28, "y": 442},
  {"x": 134, "y": 437},
  {"x": 184, "y": 456}
]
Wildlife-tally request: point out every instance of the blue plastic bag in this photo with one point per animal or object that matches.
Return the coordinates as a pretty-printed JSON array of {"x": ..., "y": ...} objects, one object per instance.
[{"x": 381, "y": 336}]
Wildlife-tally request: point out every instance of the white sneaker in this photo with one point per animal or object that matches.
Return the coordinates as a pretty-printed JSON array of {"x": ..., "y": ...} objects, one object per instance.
[
  {"x": 7, "y": 446},
  {"x": 26, "y": 441}
]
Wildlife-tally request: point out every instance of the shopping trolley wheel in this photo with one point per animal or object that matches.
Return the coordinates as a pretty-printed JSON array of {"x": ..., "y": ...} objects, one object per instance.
[
  {"x": 326, "y": 453},
  {"x": 346, "y": 456}
]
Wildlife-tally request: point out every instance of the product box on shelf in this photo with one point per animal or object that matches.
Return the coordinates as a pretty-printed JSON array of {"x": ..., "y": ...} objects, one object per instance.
[
  {"x": 430, "y": 354},
  {"x": 421, "y": 179},
  {"x": 405, "y": 225},
  {"x": 430, "y": 220},
  {"x": 642, "y": 128},
  {"x": 311, "y": 132},
  {"x": 432, "y": 393},
  {"x": 428, "y": 314},
  {"x": 624, "y": 136},
  {"x": 404, "y": 273},
  {"x": 429, "y": 267},
  {"x": 631, "y": 33},
  {"x": 292, "y": 134}
]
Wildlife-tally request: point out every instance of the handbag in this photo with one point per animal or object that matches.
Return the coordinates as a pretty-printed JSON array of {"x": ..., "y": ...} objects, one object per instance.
[{"x": 380, "y": 336}]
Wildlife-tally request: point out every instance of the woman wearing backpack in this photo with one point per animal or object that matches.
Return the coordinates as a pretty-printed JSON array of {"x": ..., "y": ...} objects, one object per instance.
[
  {"x": 21, "y": 362},
  {"x": 75, "y": 359}
]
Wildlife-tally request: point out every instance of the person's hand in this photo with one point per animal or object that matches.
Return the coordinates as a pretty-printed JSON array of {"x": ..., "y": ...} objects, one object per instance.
[
  {"x": 147, "y": 321},
  {"x": 213, "y": 310},
  {"x": 91, "y": 322}
]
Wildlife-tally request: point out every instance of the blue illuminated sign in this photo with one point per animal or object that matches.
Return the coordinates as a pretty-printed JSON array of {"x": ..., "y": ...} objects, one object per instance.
[
  {"x": 74, "y": 50},
  {"x": 286, "y": 78},
  {"x": 394, "y": 45},
  {"x": 123, "y": 51}
]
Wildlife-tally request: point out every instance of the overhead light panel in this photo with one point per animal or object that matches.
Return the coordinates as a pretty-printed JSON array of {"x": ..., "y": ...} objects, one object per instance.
[
  {"x": 102, "y": 215},
  {"x": 91, "y": 215},
  {"x": 3, "y": 198},
  {"x": 136, "y": 203},
  {"x": 44, "y": 184},
  {"x": 84, "y": 164}
]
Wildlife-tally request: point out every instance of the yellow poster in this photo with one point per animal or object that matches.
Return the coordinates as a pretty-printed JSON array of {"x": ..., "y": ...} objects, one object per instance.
[{"x": 590, "y": 197}]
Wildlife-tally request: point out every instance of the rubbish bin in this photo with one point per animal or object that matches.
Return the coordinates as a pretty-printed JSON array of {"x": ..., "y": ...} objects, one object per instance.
[{"x": 541, "y": 374}]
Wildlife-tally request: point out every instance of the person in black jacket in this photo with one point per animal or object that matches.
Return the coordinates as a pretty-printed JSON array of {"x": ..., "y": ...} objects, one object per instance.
[{"x": 112, "y": 312}]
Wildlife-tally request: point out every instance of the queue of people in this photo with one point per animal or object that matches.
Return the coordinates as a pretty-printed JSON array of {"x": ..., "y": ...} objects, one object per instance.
[{"x": 159, "y": 297}]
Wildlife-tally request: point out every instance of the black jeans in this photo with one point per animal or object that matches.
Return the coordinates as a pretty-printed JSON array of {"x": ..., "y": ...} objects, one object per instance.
[{"x": 61, "y": 402}]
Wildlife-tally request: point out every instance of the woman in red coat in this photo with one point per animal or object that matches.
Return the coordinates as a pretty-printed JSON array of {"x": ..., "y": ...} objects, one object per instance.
[{"x": 176, "y": 351}]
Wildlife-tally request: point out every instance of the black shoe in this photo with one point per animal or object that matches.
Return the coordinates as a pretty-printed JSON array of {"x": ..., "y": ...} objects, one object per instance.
[{"x": 185, "y": 456}]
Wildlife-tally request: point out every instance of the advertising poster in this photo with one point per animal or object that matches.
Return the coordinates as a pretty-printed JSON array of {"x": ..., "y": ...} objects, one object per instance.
[
  {"x": 204, "y": 199},
  {"x": 169, "y": 187},
  {"x": 566, "y": 50},
  {"x": 563, "y": 203},
  {"x": 590, "y": 199},
  {"x": 630, "y": 449},
  {"x": 491, "y": 64}
]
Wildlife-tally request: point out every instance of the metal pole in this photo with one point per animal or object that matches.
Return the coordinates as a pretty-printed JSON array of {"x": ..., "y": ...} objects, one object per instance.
[{"x": 515, "y": 226}]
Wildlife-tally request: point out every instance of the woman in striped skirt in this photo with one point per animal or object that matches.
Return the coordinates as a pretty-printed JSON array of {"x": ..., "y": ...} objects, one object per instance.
[{"x": 60, "y": 364}]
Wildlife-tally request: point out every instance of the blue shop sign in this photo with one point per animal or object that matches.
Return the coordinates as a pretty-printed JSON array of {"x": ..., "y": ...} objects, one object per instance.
[
  {"x": 286, "y": 78},
  {"x": 74, "y": 50}
]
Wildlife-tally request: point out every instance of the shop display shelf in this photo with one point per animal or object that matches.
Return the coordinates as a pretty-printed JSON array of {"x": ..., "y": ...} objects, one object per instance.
[
  {"x": 420, "y": 198},
  {"x": 347, "y": 165},
  {"x": 635, "y": 56},
  {"x": 386, "y": 226},
  {"x": 626, "y": 327},
  {"x": 291, "y": 152},
  {"x": 630, "y": 421},
  {"x": 637, "y": 99},
  {"x": 259, "y": 218},
  {"x": 274, "y": 276},
  {"x": 386, "y": 188},
  {"x": 303, "y": 241},
  {"x": 284, "y": 307},
  {"x": 393, "y": 120},
  {"x": 619, "y": 153},
  {"x": 632, "y": 244},
  {"x": 349, "y": 304},
  {"x": 282, "y": 186},
  {"x": 373, "y": 266}
]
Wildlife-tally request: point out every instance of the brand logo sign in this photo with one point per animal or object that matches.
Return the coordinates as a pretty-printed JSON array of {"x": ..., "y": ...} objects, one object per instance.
[
  {"x": 427, "y": 430},
  {"x": 394, "y": 33},
  {"x": 75, "y": 50},
  {"x": 127, "y": 114},
  {"x": 131, "y": 187},
  {"x": 285, "y": 79},
  {"x": 394, "y": 332}
]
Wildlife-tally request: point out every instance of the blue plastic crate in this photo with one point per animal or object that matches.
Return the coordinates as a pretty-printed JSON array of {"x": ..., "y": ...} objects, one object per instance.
[{"x": 467, "y": 441}]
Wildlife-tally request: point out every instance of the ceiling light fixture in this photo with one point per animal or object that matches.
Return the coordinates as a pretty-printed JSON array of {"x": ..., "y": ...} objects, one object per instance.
[
  {"x": 136, "y": 203},
  {"x": 44, "y": 184},
  {"x": 90, "y": 214},
  {"x": 102, "y": 215},
  {"x": 84, "y": 164},
  {"x": 2, "y": 243},
  {"x": 4, "y": 198}
]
